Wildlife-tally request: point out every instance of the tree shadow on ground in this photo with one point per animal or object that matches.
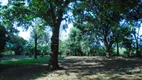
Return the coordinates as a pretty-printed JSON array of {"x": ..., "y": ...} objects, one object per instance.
[
  {"x": 83, "y": 66},
  {"x": 23, "y": 72},
  {"x": 89, "y": 66}
]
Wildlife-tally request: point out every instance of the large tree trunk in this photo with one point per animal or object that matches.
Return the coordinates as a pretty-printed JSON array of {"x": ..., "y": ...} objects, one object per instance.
[
  {"x": 108, "y": 54},
  {"x": 53, "y": 63},
  {"x": 54, "y": 48},
  {"x": 56, "y": 19},
  {"x": 108, "y": 47},
  {"x": 106, "y": 42},
  {"x": 35, "y": 48}
]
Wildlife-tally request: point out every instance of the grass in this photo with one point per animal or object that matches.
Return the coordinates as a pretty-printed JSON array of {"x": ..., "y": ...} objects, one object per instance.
[{"x": 26, "y": 61}]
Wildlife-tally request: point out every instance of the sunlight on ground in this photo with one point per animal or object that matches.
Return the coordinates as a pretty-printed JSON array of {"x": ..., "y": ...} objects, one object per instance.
[
  {"x": 63, "y": 75},
  {"x": 79, "y": 69}
]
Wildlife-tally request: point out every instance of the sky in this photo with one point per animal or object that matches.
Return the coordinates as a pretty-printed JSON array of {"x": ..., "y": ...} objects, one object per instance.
[
  {"x": 64, "y": 34},
  {"x": 24, "y": 34}
]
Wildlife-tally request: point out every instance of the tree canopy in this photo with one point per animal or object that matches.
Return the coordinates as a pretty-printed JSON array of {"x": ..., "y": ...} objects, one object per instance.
[{"x": 99, "y": 26}]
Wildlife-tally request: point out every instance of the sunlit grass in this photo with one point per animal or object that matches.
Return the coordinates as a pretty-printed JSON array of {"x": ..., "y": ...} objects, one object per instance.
[{"x": 26, "y": 61}]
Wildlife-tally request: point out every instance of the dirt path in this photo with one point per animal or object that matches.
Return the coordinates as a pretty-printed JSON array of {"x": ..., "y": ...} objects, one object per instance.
[{"x": 78, "y": 68}]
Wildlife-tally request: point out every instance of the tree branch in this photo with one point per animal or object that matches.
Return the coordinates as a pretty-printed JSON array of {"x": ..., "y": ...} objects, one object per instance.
[{"x": 53, "y": 14}]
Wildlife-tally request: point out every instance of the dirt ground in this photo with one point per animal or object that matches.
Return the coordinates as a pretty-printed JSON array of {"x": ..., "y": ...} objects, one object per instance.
[{"x": 78, "y": 68}]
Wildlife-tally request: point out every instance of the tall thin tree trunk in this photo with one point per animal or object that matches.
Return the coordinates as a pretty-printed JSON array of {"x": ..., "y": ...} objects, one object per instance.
[
  {"x": 137, "y": 44},
  {"x": 35, "y": 48},
  {"x": 117, "y": 45},
  {"x": 137, "y": 49}
]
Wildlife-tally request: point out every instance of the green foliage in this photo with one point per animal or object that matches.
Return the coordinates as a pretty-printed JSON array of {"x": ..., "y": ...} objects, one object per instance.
[
  {"x": 16, "y": 44},
  {"x": 73, "y": 43},
  {"x": 44, "y": 49},
  {"x": 105, "y": 20},
  {"x": 40, "y": 37},
  {"x": 77, "y": 46},
  {"x": 85, "y": 47},
  {"x": 99, "y": 25}
]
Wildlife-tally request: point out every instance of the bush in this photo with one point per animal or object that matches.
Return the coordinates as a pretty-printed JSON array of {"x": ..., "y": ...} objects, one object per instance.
[{"x": 99, "y": 52}]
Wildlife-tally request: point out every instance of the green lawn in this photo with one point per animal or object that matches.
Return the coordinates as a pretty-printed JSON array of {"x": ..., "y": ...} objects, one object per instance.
[{"x": 26, "y": 61}]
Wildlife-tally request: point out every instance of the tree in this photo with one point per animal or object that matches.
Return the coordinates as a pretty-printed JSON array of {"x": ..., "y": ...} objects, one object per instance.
[
  {"x": 3, "y": 37},
  {"x": 134, "y": 18},
  {"x": 135, "y": 30},
  {"x": 97, "y": 17},
  {"x": 75, "y": 42},
  {"x": 51, "y": 11},
  {"x": 44, "y": 42},
  {"x": 37, "y": 32},
  {"x": 104, "y": 18},
  {"x": 16, "y": 44},
  {"x": 40, "y": 35}
]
